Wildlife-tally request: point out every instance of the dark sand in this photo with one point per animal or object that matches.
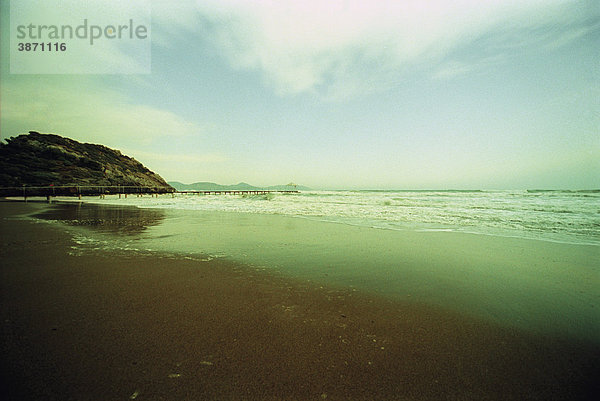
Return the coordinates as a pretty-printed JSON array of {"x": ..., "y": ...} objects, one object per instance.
[{"x": 101, "y": 327}]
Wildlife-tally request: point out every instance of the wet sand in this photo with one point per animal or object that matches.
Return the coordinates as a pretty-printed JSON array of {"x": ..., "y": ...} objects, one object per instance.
[{"x": 109, "y": 326}]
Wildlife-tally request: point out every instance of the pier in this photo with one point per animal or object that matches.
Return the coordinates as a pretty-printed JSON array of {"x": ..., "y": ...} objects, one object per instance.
[
  {"x": 238, "y": 192},
  {"x": 121, "y": 190},
  {"x": 81, "y": 190}
]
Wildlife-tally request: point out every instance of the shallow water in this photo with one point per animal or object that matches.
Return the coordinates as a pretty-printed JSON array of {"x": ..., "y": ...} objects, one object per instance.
[
  {"x": 546, "y": 287},
  {"x": 558, "y": 216},
  {"x": 153, "y": 324}
]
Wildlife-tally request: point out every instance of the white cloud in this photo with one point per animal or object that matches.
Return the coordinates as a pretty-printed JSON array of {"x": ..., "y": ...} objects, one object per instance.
[
  {"x": 452, "y": 69},
  {"x": 340, "y": 48},
  {"x": 198, "y": 159},
  {"x": 82, "y": 110},
  {"x": 181, "y": 166},
  {"x": 100, "y": 55}
]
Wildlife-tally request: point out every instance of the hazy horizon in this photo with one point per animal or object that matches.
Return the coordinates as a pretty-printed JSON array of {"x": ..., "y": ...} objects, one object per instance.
[
  {"x": 473, "y": 95},
  {"x": 388, "y": 189}
]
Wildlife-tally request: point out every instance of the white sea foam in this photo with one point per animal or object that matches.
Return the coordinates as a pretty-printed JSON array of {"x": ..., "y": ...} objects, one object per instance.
[{"x": 564, "y": 216}]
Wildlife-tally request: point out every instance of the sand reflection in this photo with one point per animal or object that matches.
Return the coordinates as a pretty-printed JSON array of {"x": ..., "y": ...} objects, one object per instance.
[{"x": 106, "y": 218}]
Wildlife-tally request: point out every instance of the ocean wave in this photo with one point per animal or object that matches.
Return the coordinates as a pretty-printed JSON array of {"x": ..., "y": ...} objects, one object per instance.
[{"x": 520, "y": 213}]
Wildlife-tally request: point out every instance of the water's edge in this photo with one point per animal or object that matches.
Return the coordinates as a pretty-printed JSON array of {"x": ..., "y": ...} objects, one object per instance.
[{"x": 538, "y": 285}]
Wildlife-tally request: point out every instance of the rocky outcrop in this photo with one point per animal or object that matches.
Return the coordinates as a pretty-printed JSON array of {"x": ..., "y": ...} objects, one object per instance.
[{"x": 36, "y": 159}]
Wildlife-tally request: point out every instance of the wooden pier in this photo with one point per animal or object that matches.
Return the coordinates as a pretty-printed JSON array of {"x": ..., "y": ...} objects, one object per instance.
[
  {"x": 81, "y": 190},
  {"x": 238, "y": 192},
  {"x": 121, "y": 190}
]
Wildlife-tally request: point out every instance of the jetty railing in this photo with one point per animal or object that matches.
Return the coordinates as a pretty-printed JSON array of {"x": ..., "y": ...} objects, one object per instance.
[
  {"x": 238, "y": 192},
  {"x": 102, "y": 190},
  {"x": 81, "y": 190}
]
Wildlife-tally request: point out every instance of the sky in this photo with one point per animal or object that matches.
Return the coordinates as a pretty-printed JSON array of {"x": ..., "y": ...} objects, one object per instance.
[{"x": 463, "y": 94}]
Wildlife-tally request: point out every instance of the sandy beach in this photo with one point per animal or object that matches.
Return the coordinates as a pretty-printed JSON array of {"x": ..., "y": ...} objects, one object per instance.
[{"x": 157, "y": 326}]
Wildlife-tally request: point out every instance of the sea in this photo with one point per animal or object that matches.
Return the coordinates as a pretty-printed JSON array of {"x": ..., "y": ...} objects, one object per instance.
[
  {"x": 548, "y": 215},
  {"x": 526, "y": 259}
]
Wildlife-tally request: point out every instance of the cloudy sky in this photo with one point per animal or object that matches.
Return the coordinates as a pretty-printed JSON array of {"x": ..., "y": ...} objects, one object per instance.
[{"x": 406, "y": 94}]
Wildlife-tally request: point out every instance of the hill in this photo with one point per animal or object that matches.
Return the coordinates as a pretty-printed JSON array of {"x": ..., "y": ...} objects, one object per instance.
[
  {"x": 288, "y": 187},
  {"x": 36, "y": 159},
  {"x": 211, "y": 186}
]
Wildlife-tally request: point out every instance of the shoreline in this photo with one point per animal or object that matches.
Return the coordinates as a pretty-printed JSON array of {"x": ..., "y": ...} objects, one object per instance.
[
  {"x": 527, "y": 284},
  {"x": 90, "y": 326},
  {"x": 113, "y": 200}
]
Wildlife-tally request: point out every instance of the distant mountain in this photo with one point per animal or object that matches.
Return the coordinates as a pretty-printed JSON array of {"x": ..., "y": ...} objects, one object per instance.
[
  {"x": 242, "y": 186},
  {"x": 288, "y": 187},
  {"x": 36, "y": 159},
  {"x": 211, "y": 186}
]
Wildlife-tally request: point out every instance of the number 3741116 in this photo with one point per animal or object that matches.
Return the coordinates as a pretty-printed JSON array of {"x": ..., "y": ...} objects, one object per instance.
[{"x": 42, "y": 47}]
